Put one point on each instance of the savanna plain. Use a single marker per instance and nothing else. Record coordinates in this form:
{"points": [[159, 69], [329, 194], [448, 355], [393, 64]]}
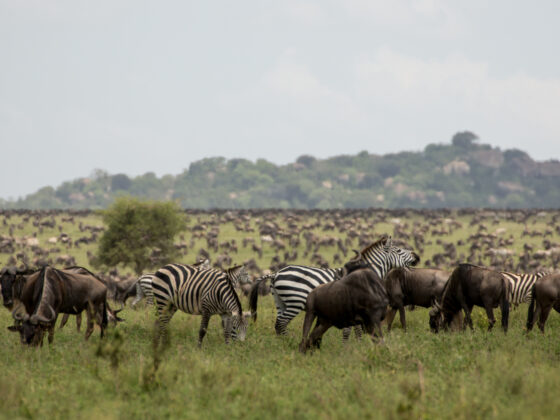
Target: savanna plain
{"points": [[413, 374]]}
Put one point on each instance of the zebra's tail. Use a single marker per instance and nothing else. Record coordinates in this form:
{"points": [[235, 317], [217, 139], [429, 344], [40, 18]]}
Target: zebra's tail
{"points": [[531, 310], [254, 296]]}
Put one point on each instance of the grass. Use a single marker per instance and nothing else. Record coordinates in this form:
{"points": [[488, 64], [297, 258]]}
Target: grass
{"points": [[412, 375]]}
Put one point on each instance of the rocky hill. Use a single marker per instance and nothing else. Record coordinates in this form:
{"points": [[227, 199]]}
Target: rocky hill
{"points": [[463, 173]]}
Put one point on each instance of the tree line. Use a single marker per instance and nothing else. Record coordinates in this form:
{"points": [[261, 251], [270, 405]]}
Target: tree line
{"points": [[462, 173]]}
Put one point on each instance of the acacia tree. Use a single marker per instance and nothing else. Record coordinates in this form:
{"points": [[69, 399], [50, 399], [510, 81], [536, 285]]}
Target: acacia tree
{"points": [[139, 234]]}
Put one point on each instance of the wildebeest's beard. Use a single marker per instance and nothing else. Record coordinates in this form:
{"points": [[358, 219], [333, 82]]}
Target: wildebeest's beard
{"points": [[435, 319]]}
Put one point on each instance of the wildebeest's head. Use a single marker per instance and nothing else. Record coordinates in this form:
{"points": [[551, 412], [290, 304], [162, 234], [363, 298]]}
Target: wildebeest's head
{"points": [[354, 264], [31, 328], [436, 318], [7, 278]]}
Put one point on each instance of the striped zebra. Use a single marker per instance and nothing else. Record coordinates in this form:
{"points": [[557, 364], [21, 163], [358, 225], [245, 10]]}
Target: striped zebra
{"points": [[144, 284], [521, 285], [291, 285], [199, 291]]}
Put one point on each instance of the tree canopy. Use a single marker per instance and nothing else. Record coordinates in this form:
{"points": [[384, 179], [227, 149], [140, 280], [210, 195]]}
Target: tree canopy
{"points": [[139, 234]]}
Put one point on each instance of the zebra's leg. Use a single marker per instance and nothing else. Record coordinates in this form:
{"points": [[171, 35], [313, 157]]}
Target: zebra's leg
{"points": [[227, 325], [203, 327], [346, 334], [139, 295], [164, 315], [358, 331], [282, 321]]}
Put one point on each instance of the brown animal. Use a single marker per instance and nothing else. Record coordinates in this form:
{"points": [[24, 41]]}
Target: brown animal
{"points": [[357, 299], [545, 295], [49, 292], [412, 286], [467, 286]]}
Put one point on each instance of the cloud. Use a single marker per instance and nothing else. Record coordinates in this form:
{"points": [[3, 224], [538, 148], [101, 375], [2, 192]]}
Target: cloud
{"points": [[456, 84]]}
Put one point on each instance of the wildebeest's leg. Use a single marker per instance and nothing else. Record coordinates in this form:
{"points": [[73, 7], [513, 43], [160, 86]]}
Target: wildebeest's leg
{"points": [[89, 316], [203, 327], [468, 319], [403, 317], [78, 321], [320, 328], [391, 312], [307, 323], [64, 320], [545, 311], [490, 315]]}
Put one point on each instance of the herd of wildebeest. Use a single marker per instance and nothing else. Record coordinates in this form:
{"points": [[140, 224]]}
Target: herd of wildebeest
{"points": [[489, 269]]}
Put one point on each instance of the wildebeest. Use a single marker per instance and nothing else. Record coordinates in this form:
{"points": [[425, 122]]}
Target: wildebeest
{"points": [[8, 276], [357, 299], [467, 286], [545, 295], [49, 292], [412, 286]]}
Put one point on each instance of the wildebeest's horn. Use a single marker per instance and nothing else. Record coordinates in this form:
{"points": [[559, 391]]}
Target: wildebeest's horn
{"points": [[41, 318], [357, 253]]}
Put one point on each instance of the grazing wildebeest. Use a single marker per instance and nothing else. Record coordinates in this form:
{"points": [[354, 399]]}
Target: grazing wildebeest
{"points": [[291, 285], [467, 286], [412, 286], [545, 295], [8, 277], [357, 299], [47, 293]]}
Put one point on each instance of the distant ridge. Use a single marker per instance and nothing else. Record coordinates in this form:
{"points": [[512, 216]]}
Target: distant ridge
{"points": [[463, 173]]}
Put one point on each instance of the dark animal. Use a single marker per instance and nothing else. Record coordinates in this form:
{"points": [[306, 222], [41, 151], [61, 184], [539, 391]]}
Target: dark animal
{"points": [[467, 286], [545, 295], [49, 292], [292, 284], [357, 299], [8, 277], [412, 286]]}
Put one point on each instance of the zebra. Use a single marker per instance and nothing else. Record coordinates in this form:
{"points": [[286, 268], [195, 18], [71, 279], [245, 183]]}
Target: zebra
{"points": [[521, 285], [144, 284], [199, 291], [291, 285]]}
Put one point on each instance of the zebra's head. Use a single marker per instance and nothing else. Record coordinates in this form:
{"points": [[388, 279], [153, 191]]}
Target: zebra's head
{"points": [[383, 255], [240, 325]]}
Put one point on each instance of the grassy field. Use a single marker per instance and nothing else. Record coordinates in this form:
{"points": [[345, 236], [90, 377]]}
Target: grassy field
{"points": [[412, 375]]}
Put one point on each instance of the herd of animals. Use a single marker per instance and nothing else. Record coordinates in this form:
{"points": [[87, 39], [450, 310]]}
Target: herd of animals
{"points": [[370, 287]]}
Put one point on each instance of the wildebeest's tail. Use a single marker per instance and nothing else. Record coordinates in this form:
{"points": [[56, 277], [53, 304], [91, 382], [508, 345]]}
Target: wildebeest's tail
{"points": [[505, 303], [105, 318], [531, 310], [254, 296]]}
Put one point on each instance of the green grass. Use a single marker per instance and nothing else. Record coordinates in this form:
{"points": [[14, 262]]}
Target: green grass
{"points": [[416, 374], [412, 375]]}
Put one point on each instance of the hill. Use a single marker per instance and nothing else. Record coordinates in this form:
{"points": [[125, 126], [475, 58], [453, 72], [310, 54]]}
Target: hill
{"points": [[464, 173]]}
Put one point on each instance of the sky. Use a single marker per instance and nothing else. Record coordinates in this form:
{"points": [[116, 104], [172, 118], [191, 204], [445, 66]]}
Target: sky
{"points": [[130, 86]]}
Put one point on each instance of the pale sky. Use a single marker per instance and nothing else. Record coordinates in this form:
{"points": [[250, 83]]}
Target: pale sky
{"points": [[134, 87]]}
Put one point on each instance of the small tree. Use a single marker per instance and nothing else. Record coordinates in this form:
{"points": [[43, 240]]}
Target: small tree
{"points": [[139, 234]]}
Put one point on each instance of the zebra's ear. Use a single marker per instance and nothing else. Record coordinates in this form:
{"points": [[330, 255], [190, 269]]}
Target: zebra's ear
{"points": [[389, 242]]}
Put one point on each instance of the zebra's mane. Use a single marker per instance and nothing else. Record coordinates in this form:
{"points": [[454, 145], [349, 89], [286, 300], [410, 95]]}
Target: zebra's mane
{"points": [[380, 242]]}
